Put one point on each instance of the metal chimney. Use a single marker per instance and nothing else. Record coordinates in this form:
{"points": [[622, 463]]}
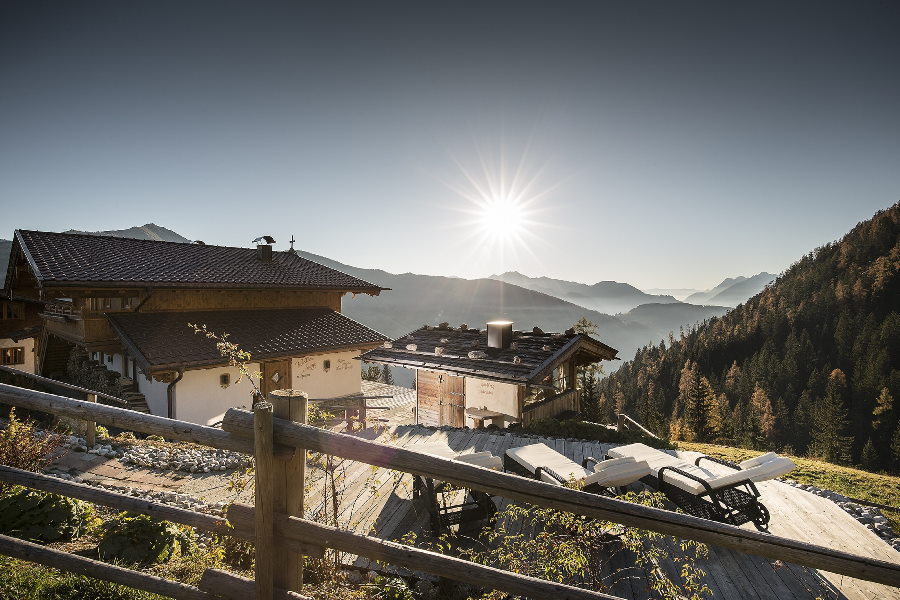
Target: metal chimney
{"points": [[499, 334]]}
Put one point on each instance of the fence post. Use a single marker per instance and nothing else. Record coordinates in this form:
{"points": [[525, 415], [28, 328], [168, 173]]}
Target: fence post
{"points": [[290, 484], [620, 424], [263, 453], [90, 427]]}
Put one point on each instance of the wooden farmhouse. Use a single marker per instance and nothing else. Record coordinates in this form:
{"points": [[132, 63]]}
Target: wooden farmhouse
{"points": [[470, 376], [116, 313]]}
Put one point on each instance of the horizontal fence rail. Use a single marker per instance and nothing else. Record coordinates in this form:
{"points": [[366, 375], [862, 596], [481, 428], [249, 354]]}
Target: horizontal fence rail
{"points": [[238, 435], [416, 558], [62, 384], [624, 422], [532, 491]]}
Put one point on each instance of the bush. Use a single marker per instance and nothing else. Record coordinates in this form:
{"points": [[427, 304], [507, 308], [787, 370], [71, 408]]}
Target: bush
{"points": [[20, 580], [573, 428], [24, 446], [42, 517], [138, 539]]}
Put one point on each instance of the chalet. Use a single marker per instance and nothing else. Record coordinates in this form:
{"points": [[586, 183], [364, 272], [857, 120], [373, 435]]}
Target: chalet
{"points": [[116, 313], [469, 376], [19, 325]]}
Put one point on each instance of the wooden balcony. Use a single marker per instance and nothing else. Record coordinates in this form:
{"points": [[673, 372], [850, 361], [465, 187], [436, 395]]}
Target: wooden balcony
{"points": [[569, 400]]}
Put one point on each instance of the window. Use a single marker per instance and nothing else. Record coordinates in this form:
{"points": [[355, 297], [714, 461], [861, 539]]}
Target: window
{"points": [[326, 365], [12, 310], [13, 356], [224, 380]]}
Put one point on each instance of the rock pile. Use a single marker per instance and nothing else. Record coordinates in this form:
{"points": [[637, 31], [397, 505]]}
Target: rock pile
{"points": [[189, 460]]}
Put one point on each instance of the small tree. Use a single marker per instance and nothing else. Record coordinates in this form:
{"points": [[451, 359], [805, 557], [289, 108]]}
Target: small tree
{"points": [[386, 376], [587, 376], [371, 373], [869, 458]]}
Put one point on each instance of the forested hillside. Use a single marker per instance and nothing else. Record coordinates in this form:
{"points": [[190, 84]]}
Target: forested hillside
{"points": [[810, 364]]}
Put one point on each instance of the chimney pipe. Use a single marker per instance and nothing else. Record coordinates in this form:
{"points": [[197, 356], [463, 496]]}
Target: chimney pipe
{"points": [[499, 334], [264, 252]]}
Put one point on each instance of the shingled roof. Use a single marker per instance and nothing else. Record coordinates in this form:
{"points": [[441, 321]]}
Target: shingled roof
{"points": [[162, 341], [530, 358], [79, 260]]}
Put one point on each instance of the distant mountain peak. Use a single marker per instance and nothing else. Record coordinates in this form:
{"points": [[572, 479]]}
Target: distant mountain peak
{"points": [[149, 231]]}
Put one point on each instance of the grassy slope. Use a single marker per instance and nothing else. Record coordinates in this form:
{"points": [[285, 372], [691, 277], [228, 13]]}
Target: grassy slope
{"points": [[853, 483]]}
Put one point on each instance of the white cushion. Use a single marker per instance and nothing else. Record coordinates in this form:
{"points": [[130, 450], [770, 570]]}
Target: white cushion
{"points": [[775, 468], [617, 472], [657, 459], [540, 455], [482, 459], [757, 460]]}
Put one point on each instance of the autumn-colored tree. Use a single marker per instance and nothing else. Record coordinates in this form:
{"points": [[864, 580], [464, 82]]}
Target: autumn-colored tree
{"points": [[763, 420]]}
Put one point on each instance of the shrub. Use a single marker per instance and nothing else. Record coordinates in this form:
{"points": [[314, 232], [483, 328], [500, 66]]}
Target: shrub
{"points": [[138, 539], [42, 517], [24, 446]]}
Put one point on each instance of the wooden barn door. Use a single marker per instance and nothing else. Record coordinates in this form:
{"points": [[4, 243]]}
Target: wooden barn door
{"points": [[453, 401], [276, 375]]}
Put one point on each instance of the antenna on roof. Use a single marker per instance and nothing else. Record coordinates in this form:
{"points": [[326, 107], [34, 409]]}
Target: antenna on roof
{"points": [[268, 239], [292, 242]]}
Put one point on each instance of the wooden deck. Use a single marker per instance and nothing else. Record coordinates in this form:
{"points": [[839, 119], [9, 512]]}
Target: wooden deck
{"points": [[379, 501]]}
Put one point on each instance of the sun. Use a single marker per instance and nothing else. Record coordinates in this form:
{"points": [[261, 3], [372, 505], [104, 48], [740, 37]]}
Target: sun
{"points": [[502, 217]]}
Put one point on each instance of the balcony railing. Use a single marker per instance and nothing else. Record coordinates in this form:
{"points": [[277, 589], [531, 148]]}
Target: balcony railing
{"points": [[569, 400]]}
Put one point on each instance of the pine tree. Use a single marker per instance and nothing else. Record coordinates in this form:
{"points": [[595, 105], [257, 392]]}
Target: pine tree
{"points": [[386, 376], [587, 376], [895, 448], [829, 439], [869, 458]]}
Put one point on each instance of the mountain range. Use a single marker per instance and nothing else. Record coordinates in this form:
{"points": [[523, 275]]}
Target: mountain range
{"points": [[733, 290], [609, 297], [416, 300]]}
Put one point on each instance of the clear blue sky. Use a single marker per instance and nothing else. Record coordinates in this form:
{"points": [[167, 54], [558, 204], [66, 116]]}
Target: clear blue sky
{"points": [[669, 144]]}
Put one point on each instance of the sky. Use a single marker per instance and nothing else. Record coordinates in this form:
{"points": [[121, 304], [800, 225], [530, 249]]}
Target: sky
{"points": [[663, 144]]}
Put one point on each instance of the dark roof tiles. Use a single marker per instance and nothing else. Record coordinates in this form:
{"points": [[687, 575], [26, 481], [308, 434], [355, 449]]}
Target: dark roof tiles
{"points": [[529, 356], [69, 259], [164, 340]]}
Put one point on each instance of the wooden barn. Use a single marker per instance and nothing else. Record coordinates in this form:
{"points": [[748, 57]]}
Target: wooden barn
{"points": [[496, 375]]}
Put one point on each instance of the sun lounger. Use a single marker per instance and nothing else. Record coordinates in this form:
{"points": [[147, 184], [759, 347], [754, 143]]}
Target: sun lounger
{"points": [[477, 506], [729, 498], [541, 462]]}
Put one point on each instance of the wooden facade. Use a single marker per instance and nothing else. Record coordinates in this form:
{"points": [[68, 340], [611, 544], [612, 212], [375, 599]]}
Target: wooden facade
{"points": [[441, 399]]}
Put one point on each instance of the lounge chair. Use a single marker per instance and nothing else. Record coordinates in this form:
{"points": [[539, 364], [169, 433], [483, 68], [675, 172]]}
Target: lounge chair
{"points": [[730, 498], [541, 462], [477, 506]]}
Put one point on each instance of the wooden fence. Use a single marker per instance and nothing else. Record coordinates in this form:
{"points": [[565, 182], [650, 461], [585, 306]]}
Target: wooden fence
{"points": [[89, 427], [624, 422], [279, 439], [550, 407]]}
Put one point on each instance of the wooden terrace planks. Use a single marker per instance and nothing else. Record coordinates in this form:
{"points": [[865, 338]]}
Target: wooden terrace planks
{"points": [[389, 512]]}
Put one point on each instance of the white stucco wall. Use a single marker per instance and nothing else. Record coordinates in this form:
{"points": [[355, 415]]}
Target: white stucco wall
{"points": [[342, 378], [198, 396], [200, 399], [500, 397], [28, 345]]}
